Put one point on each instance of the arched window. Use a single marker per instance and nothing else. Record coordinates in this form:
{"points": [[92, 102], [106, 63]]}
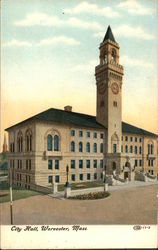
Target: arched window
{"points": [[95, 148], [20, 142], [80, 147], [88, 147], [113, 54], [56, 143], [126, 149], [49, 143], [29, 140], [151, 148], [148, 148], [101, 147], [72, 146], [131, 149], [135, 150]]}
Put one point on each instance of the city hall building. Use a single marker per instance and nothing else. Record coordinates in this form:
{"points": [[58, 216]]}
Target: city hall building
{"points": [[42, 146]]}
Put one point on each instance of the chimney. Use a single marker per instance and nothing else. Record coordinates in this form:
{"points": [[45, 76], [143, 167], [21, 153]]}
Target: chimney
{"points": [[68, 108]]}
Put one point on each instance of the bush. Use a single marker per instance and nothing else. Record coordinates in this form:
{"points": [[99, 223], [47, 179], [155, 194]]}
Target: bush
{"points": [[91, 196]]}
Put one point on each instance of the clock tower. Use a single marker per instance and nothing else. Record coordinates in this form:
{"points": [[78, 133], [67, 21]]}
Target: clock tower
{"points": [[109, 74]]}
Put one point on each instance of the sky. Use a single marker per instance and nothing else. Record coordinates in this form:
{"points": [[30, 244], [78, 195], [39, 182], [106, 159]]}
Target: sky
{"points": [[49, 50]]}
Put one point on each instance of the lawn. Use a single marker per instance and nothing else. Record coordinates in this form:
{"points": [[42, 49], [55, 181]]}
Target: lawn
{"points": [[82, 185], [18, 193]]}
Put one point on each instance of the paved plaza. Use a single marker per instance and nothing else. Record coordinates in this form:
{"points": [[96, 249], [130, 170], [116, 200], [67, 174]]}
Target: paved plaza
{"points": [[136, 203]]}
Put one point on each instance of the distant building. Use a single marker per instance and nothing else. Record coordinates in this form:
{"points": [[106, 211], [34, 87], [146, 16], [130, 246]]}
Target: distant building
{"points": [[42, 146], [5, 144]]}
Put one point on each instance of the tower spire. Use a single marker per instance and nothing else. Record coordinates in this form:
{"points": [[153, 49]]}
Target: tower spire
{"points": [[109, 35]]}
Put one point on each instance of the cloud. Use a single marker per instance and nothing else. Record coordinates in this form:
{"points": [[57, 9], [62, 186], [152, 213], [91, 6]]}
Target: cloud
{"points": [[134, 62], [128, 31], [47, 41], [42, 19], [135, 8], [57, 40], [87, 67], [17, 43], [85, 7]]}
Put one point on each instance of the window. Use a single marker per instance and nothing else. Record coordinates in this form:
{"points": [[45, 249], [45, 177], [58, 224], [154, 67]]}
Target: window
{"points": [[131, 149], [20, 164], [88, 134], [49, 164], [114, 148], [115, 104], [135, 139], [88, 147], [101, 135], [72, 132], [56, 143], [19, 142], [29, 164], [122, 148], [140, 163], [56, 164], [136, 163], [95, 163], [80, 163], [101, 147], [149, 163], [73, 177], [28, 140], [95, 148], [140, 150], [101, 163], [88, 163], [49, 143], [80, 147], [95, 176], [152, 161], [80, 133], [131, 139], [95, 135], [135, 149], [126, 149], [72, 163], [29, 178], [88, 177], [50, 178], [113, 55], [57, 178], [140, 139], [148, 148], [81, 177], [72, 146], [122, 137], [126, 138], [151, 149]]}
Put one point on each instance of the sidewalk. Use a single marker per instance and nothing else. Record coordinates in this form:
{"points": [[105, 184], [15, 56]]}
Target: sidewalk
{"points": [[129, 185]]}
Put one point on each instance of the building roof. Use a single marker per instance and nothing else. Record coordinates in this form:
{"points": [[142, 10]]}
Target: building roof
{"points": [[79, 119], [109, 35], [128, 128]]}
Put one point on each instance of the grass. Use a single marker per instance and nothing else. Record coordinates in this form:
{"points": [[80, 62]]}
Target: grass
{"points": [[82, 185], [18, 193]]}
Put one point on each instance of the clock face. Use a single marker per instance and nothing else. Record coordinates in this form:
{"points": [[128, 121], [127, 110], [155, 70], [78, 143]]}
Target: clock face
{"points": [[115, 88], [102, 88]]}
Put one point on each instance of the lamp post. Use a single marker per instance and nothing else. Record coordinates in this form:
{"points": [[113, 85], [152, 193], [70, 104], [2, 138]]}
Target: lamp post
{"points": [[67, 175], [11, 198]]}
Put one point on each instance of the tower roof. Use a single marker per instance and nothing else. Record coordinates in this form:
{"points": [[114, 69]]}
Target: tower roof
{"points": [[109, 35]]}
